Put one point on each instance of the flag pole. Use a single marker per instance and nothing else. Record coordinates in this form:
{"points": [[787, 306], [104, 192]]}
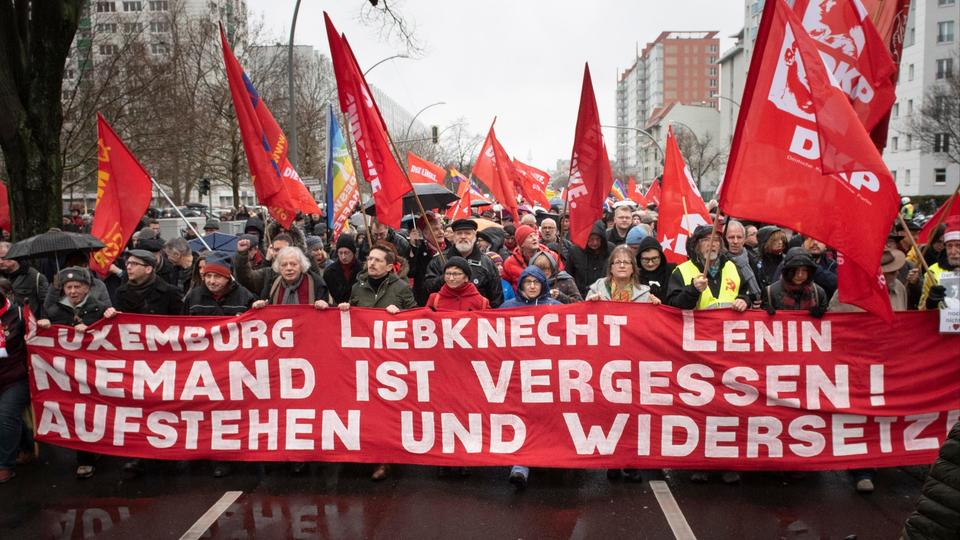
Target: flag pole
{"points": [[416, 197], [363, 212], [946, 211], [713, 231], [913, 242], [179, 213]]}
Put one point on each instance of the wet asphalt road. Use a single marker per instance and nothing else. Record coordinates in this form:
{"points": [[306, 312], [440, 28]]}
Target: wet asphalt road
{"points": [[339, 501]]}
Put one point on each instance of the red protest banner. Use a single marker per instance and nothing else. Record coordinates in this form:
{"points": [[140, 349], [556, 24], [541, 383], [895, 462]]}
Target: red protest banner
{"points": [[422, 171], [581, 385], [124, 191]]}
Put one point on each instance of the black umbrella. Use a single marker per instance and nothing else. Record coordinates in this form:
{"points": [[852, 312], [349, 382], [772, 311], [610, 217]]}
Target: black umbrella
{"points": [[431, 195], [53, 242], [478, 202]]}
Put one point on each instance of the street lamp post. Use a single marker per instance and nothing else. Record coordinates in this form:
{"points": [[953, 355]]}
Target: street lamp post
{"points": [[725, 98], [406, 133], [653, 139], [690, 129]]}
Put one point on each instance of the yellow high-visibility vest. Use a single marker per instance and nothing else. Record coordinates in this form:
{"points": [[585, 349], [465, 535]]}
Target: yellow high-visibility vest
{"points": [[729, 285]]}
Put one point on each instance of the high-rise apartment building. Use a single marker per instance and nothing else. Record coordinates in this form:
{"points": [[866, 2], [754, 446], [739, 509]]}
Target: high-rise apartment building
{"points": [[676, 67]]}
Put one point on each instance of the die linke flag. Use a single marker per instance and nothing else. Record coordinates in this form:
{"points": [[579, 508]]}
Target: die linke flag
{"points": [[635, 191], [801, 157], [421, 171], [343, 192], [124, 191], [277, 184], [682, 208], [533, 183], [495, 169], [590, 175], [386, 177], [854, 54]]}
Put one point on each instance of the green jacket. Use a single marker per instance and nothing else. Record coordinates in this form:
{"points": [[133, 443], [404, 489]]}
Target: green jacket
{"points": [[392, 290]]}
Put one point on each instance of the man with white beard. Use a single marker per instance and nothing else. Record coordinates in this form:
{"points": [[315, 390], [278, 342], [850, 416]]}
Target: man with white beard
{"points": [[483, 271]]}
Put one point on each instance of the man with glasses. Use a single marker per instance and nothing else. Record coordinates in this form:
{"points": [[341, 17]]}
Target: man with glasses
{"points": [[145, 293], [484, 273]]}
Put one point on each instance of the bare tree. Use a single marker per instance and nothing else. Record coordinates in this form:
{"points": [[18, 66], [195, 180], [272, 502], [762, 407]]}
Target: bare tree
{"points": [[459, 146], [387, 16], [937, 123], [702, 154]]}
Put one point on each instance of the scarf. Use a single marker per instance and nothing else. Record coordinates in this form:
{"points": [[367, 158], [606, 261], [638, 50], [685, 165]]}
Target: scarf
{"points": [[290, 295], [798, 297], [3, 329], [743, 265], [137, 292], [620, 294]]}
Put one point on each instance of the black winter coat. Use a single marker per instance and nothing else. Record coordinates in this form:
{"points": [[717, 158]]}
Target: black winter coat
{"points": [[199, 301], [938, 510], [337, 282], [159, 298], [587, 265], [29, 287], [87, 313], [13, 368], [485, 275]]}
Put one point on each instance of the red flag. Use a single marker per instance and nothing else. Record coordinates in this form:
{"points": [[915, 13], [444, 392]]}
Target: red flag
{"points": [[590, 175], [682, 208], [854, 53], [124, 191], [533, 183], [794, 130], [860, 288], [635, 191], [495, 169], [950, 209], [4, 208], [421, 171], [461, 209], [277, 184], [380, 168], [653, 193]]}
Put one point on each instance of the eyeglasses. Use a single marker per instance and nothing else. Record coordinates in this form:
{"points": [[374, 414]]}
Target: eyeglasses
{"points": [[650, 259], [453, 274], [135, 263], [621, 263]]}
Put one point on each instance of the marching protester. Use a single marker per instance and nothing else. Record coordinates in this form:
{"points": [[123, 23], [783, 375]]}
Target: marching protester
{"points": [[622, 223], [550, 235], [177, 251], [146, 293], [654, 269], [562, 285], [317, 252], [771, 245], [589, 264], [635, 237], [342, 274], [735, 237], [933, 291], [79, 307], [14, 386], [528, 244], [796, 290], [379, 286], [219, 294], [484, 272], [457, 293], [532, 290], [621, 284], [708, 280], [424, 246], [29, 286], [255, 279]]}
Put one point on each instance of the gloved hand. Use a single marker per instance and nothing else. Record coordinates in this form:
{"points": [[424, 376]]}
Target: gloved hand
{"points": [[771, 310], [817, 311], [937, 294]]}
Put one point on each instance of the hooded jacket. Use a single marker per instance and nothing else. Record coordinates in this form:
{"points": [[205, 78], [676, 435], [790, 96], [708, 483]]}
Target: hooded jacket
{"points": [[767, 263], [464, 298], [784, 295], [658, 278], [522, 301], [588, 265], [568, 293]]}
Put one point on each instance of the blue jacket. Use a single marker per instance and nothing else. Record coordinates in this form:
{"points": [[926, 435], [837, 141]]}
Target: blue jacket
{"points": [[522, 301]]}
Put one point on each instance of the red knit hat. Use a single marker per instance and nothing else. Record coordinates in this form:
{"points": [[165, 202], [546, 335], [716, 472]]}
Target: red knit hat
{"points": [[522, 233], [952, 231]]}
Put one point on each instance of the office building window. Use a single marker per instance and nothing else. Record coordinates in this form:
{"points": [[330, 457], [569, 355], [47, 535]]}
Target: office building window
{"points": [[939, 176], [941, 142], [945, 32]]}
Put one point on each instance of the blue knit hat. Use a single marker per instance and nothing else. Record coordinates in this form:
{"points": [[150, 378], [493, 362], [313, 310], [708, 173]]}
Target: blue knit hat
{"points": [[635, 235]]}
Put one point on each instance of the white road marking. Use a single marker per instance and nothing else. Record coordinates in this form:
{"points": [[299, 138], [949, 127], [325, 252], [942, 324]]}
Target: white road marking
{"points": [[211, 515], [671, 510]]}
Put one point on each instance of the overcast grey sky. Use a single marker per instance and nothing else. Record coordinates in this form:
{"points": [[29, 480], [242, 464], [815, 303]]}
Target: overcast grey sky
{"points": [[521, 61]]}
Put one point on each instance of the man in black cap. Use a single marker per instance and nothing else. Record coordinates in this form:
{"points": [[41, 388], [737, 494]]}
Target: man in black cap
{"points": [[211, 226], [145, 293], [342, 274], [484, 272]]}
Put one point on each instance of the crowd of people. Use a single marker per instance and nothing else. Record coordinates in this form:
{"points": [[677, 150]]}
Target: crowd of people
{"points": [[442, 266]]}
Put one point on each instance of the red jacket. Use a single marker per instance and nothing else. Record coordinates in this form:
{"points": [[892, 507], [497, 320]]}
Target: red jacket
{"points": [[515, 264], [465, 298]]}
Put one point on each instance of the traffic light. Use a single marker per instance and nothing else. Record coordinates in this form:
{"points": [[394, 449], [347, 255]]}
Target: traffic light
{"points": [[435, 134], [204, 186]]}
